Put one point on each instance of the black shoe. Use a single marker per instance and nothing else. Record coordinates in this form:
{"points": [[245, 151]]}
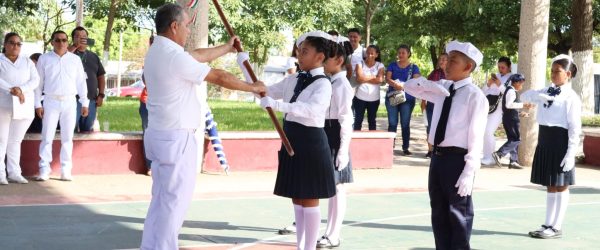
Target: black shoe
{"points": [[497, 158], [514, 165], [288, 230], [538, 231], [406, 152], [325, 242], [549, 233], [428, 155]]}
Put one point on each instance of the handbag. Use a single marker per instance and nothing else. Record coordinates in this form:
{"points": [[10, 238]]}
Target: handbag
{"points": [[398, 97], [494, 102]]}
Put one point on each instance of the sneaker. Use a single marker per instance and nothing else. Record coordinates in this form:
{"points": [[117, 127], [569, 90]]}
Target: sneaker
{"points": [[288, 230], [406, 152], [18, 179], [66, 177], [549, 233], [515, 165], [497, 158], [43, 176], [325, 242], [539, 230], [428, 155], [3, 181]]}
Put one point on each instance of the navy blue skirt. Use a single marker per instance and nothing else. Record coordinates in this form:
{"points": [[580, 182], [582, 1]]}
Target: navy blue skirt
{"points": [[552, 146], [309, 173], [332, 129]]}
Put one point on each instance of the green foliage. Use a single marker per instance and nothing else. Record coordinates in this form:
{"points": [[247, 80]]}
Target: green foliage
{"points": [[591, 121]]}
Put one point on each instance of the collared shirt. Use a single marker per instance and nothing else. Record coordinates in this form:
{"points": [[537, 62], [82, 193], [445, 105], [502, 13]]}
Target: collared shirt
{"points": [[367, 91], [61, 76], [357, 57], [565, 111], [22, 74], [510, 97], [467, 118], [495, 89], [93, 69], [172, 79], [312, 104], [341, 108]]}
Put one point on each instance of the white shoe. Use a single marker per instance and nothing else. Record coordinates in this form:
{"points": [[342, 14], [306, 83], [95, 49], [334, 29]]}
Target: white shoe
{"points": [[43, 176], [18, 179], [66, 177], [3, 181]]}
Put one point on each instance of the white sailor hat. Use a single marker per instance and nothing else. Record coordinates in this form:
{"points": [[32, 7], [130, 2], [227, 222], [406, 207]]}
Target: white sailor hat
{"points": [[562, 56], [466, 48], [317, 33]]}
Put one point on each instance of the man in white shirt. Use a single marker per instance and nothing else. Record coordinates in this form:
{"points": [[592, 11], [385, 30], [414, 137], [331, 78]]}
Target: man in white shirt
{"points": [[357, 56], [459, 119], [61, 78], [173, 77]]}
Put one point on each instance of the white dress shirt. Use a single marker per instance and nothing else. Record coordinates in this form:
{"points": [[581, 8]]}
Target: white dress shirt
{"points": [[565, 112], [312, 103], [510, 97], [341, 108], [367, 91], [467, 118], [495, 89], [357, 57], [61, 76], [173, 78], [23, 74]]}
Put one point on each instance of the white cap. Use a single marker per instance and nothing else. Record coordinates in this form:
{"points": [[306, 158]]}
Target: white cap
{"points": [[466, 48], [562, 56], [317, 33]]}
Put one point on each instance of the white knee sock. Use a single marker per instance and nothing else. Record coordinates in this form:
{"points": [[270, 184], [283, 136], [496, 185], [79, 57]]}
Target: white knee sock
{"points": [[312, 221], [550, 208], [299, 216], [340, 196], [331, 214], [562, 200]]}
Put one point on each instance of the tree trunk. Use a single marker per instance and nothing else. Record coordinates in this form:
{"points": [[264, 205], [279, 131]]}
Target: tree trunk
{"points": [[199, 29], [582, 23], [434, 55], [533, 42], [112, 11]]}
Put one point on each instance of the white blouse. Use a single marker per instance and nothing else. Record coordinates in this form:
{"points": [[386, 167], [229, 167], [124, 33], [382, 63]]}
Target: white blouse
{"points": [[341, 108], [367, 91], [23, 74], [312, 104]]}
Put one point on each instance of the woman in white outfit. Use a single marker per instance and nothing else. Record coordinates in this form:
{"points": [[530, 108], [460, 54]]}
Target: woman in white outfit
{"points": [[18, 79], [493, 90]]}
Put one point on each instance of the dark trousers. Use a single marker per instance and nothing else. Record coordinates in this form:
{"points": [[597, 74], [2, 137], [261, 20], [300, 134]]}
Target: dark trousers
{"points": [[144, 115], [451, 215], [86, 124], [511, 127], [360, 107]]}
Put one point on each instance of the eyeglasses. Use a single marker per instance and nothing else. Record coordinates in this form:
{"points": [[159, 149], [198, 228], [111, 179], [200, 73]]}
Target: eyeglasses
{"points": [[61, 40], [18, 44]]}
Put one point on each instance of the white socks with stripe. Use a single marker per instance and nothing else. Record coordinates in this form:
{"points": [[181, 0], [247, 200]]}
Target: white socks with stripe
{"points": [[299, 216], [312, 221], [562, 201]]}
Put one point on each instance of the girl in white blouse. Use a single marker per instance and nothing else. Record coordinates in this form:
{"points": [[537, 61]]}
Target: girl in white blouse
{"points": [[559, 117], [369, 74], [18, 79], [304, 97]]}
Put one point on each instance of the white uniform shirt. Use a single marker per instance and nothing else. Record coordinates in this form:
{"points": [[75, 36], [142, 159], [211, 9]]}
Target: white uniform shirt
{"points": [[312, 103], [61, 76], [23, 74], [565, 112], [341, 108], [467, 118], [495, 89], [291, 63], [367, 91], [356, 58], [172, 78], [510, 98]]}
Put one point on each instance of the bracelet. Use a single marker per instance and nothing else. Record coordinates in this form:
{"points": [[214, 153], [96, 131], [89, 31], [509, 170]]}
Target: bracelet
{"points": [[101, 95]]}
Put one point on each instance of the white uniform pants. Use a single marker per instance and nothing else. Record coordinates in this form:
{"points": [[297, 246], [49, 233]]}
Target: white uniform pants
{"points": [[55, 110], [11, 135], [174, 162], [489, 140]]}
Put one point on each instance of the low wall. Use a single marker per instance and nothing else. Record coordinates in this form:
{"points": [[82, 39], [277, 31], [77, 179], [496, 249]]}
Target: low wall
{"points": [[591, 147], [119, 153]]}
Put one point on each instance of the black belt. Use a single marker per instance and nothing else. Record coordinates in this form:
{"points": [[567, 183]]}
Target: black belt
{"points": [[440, 151]]}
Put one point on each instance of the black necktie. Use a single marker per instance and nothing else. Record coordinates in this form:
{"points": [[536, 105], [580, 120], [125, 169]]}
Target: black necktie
{"points": [[552, 91], [440, 132]]}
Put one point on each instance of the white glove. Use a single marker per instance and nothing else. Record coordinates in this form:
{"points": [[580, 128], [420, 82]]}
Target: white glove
{"points": [[431, 86], [342, 160], [268, 102], [241, 57], [465, 183], [567, 163]]}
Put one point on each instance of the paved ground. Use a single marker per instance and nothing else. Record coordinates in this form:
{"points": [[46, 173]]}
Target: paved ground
{"points": [[387, 209]]}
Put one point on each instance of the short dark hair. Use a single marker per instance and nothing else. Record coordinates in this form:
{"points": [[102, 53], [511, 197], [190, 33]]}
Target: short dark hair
{"points": [[78, 28], [354, 30], [406, 47], [35, 56], [567, 65], [7, 37], [56, 33], [333, 33], [166, 15], [505, 60]]}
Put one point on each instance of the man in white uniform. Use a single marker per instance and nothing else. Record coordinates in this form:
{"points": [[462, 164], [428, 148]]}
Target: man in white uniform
{"points": [[174, 113], [61, 78]]}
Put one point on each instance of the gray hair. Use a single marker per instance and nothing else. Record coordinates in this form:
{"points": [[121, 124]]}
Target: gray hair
{"points": [[166, 15]]}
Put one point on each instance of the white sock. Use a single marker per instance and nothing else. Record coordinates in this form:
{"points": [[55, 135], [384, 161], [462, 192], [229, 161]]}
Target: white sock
{"points": [[331, 214], [299, 216], [562, 200], [312, 221], [550, 208], [340, 196]]}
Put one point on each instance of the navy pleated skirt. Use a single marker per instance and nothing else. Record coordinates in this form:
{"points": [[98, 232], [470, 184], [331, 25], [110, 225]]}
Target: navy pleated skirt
{"points": [[549, 153], [309, 173], [332, 129]]}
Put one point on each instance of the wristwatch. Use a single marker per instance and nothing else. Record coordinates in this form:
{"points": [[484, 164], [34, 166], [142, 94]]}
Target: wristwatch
{"points": [[101, 95]]}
